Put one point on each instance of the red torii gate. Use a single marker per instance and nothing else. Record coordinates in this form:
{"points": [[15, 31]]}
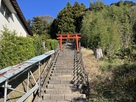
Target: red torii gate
{"points": [[61, 37]]}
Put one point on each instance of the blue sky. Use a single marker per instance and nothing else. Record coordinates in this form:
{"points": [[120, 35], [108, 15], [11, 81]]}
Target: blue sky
{"points": [[32, 8]]}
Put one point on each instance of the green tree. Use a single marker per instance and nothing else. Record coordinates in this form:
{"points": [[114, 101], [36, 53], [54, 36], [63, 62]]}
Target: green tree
{"points": [[65, 20], [69, 19], [125, 3], [132, 15], [37, 26], [97, 31], [54, 28], [85, 30], [97, 6], [29, 22], [41, 25], [78, 11], [121, 14]]}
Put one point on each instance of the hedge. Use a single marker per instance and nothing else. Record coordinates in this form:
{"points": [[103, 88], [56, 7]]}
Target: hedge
{"points": [[15, 49], [51, 44]]}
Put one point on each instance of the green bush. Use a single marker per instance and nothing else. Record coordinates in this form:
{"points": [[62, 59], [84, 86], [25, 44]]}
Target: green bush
{"points": [[128, 54], [15, 49], [51, 44], [119, 87], [38, 45]]}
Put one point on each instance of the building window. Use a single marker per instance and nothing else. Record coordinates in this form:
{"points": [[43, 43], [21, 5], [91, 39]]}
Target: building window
{"points": [[5, 11]]}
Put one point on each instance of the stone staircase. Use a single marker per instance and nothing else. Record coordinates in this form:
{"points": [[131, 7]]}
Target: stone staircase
{"points": [[59, 85]]}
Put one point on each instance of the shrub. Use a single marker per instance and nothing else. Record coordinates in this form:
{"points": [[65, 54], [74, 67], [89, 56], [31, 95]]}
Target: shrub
{"points": [[15, 49], [38, 45], [119, 87], [51, 44]]}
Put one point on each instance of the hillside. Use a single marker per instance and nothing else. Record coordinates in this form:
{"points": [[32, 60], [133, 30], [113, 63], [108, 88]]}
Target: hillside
{"points": [[114, 84]]}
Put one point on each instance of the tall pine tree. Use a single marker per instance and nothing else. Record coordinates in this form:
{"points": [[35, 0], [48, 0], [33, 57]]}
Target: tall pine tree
{"points": [[69, 19], [40, 24], [78, 11], [65, 20]]}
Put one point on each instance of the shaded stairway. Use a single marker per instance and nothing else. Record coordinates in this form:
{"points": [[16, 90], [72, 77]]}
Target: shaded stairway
{"points": [[66, 81]]}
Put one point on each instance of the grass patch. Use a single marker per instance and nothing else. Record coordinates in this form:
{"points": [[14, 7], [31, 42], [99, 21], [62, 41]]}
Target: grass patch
{"points": [[110, 81], [120, 87], [109, 65]]}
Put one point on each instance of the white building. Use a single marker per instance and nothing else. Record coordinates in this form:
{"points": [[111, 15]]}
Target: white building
{"points": [[12, 18]]}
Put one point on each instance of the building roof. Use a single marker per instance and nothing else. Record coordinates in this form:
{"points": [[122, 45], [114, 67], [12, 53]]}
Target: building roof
{"points": [[21, 16]]}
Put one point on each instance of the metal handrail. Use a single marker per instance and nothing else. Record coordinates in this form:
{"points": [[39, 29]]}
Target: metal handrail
{"points": [[84, 73], [85, 76], [50, 66], [7, 74]]}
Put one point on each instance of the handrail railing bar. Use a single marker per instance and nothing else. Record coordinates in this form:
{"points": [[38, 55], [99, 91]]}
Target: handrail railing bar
{"points": [[16, 90], [28, 68], [24, 97], [33, 77]]}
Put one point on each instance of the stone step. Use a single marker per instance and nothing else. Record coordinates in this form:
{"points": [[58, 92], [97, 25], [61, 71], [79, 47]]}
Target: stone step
{"points": [[60, 91], [59, 82], [50, 90], [64, 65], [65, 59], [79, 100], [61, 86], [63, 97], [63, 68], [59, 74], [62, 78], [64, 62], [61, 62], [63, 71]]}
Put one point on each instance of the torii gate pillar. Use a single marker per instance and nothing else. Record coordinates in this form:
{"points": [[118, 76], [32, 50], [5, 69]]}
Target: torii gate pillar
{"points": [[68, 36]]}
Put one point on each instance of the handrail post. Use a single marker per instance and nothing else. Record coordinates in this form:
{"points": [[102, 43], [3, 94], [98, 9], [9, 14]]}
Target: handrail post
{"points": [[39, 68], [5, 91], [28, 80]]}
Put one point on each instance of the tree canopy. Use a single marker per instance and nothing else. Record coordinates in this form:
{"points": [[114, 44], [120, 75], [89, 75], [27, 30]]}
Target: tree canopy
{"points": [[109, 27], [68, 20], [41, 25]]}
